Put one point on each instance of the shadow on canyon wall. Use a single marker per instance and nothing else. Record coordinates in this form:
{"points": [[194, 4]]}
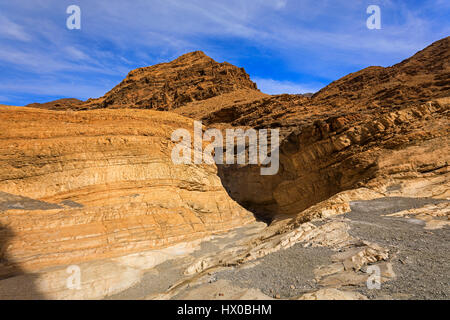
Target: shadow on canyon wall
{"points": [[254, 192], [309, 172], [15, 283]]}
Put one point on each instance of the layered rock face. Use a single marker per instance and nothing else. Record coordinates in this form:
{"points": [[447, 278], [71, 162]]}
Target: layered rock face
{"points": [[350, 134], [77, 186], [378, 150]]}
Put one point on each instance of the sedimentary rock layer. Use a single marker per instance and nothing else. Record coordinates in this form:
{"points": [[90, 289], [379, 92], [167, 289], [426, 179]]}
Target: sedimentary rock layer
{"points": [[382, 129], [82, 185], [379, 127], [376, 150]]}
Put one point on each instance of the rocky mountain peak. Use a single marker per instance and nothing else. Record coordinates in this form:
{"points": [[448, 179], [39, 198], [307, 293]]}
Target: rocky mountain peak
{"points": [[193, 56], [191, 77]]}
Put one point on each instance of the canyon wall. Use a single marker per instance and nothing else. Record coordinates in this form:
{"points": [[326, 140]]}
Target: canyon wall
{"points": [[379, 127], [379, 151], [80, 184], [77, 186]]}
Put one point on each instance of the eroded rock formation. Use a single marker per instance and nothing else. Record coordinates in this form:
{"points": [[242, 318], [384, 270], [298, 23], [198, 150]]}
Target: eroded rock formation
{"points": [[100, 184], [336, 141], [166, 86], [79, 185]]}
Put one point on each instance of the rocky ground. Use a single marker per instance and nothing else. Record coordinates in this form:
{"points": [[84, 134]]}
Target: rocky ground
{"points": [[421, 257], [165, 276], [419, 262]]}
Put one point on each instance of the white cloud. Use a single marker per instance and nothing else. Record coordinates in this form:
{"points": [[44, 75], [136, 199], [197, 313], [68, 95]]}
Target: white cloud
{"points": [[12, 30], [76, 53], [50, 63], [280, 4]]}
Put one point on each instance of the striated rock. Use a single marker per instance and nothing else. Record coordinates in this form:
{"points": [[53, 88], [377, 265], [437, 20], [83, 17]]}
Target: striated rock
{"points": [[98, 184], [418, 79], [381, 151], [435, 216], [374, 90], [332, 143], [82, 186], [98, 278]]}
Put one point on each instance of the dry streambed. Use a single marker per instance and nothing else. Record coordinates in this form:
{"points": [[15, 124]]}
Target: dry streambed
{"points": [[330, 257], [335, 258]]}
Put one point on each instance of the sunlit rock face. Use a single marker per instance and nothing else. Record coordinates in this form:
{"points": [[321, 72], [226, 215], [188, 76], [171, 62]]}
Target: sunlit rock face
{"points": [[77, 186], [98, 188], [379, 127]]}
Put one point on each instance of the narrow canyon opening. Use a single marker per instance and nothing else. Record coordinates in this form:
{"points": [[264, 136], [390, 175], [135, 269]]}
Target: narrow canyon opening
{"points": [[310, 170]]}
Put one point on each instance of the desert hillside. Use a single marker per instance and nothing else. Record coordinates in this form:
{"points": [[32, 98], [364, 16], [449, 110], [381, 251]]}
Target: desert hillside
{"points": [[92, 183], [166, 86]]}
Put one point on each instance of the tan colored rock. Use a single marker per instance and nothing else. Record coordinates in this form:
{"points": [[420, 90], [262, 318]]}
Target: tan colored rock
{"points": [[89, 186], [332, 294], [98, 278], [223, 290], [436, 216], [379, 128], [113, 170]]}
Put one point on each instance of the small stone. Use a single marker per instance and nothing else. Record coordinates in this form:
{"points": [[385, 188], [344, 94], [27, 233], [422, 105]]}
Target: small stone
{"points": [[277, 296], [292, 287]]}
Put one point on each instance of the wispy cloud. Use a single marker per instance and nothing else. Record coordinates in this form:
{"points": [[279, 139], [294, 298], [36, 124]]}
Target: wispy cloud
{"points": [[12, 30]]}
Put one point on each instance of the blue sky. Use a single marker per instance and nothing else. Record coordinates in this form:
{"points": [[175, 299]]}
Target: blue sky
{"points": [[287, 46]]}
